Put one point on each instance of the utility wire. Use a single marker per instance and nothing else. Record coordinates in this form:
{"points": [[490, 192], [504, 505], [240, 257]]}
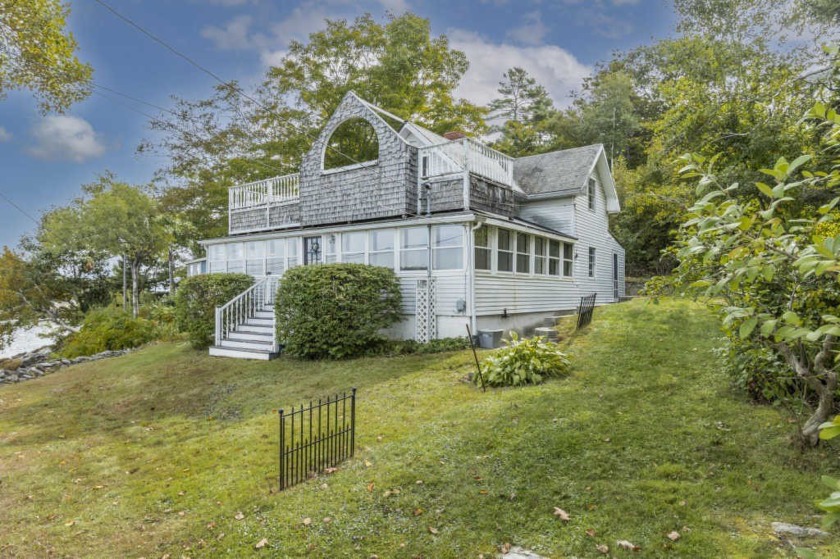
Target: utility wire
{"points": [[207, 71], [18, 208]]}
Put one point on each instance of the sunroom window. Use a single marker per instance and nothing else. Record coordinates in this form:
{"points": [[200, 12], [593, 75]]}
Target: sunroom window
{"points": [[504, 251], [414, 248], [353, 247], [275, 256], [482, 249], [554, 258], [448, 248], [568, 259], [523, 253], [539, 255], [382, 248]]}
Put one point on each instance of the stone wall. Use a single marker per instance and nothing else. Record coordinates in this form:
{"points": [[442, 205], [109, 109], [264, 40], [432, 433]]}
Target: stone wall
{"points": [[34, 364]]}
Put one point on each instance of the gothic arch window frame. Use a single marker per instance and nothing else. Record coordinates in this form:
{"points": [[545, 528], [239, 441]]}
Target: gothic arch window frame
{"points": [[349, 167]]}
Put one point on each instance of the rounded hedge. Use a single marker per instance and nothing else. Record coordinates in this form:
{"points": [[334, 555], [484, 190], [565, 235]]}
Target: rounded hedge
{"points": [[196, 301], [107, 328], [335, 310]]}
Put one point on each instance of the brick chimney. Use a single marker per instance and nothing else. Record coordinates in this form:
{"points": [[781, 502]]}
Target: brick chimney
{"points": [[454, 135]]}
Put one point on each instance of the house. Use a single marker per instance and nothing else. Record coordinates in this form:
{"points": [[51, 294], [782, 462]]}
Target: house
{"points": [[476, 237]]}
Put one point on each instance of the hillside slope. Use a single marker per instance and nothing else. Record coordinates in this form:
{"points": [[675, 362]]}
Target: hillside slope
{"points": [[158, 452]]}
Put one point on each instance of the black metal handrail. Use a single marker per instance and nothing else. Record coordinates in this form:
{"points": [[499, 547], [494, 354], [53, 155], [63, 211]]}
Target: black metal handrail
{"points": [[587, 306]]}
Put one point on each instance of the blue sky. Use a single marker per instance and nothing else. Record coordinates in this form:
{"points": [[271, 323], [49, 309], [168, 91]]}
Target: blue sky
{"points": [[45, 159]]}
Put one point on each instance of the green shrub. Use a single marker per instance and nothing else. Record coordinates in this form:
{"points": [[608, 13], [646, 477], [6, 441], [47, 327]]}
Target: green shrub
{"points": [[196, 301], [757, 370], [392, 348], [105, 329], [335, 310], [523, 361]]}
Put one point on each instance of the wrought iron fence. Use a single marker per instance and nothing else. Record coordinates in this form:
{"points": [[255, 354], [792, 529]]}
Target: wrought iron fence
{"points": [[587, 306], [316, 437]]}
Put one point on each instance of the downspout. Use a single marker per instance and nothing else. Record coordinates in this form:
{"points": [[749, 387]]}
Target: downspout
{"points": [[471, 277]]}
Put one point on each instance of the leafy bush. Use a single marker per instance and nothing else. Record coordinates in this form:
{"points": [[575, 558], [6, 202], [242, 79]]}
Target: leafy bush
{"points": [[105, 329], [335, 310], [196, 301], [756, 370], [391, 348], [523, 361]]}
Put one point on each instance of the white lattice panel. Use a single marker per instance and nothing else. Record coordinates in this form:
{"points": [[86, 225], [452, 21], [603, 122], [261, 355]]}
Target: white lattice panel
{"points": [[426, 311]]}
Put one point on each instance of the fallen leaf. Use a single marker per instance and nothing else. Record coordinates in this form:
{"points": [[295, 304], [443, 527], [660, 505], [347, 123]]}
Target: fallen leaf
{"points": [[418, 511], [483, 492], [211, 525], [419, 482], [674, 536], [261, 544], [387, 493], [624, 544], [561, 514], [379, 438], [603, 548], [433, 530], [324, 486], [239, 516], [370, 487], [330, 470], [590, 532], [220, 536], [181, 513], [307, 521], [181, 493], [506, 548], [327, 520], [70, 523], [368, 463]]}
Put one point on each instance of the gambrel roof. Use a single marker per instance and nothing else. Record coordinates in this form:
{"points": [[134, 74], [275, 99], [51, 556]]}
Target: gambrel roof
{"points": [[564, 173]]}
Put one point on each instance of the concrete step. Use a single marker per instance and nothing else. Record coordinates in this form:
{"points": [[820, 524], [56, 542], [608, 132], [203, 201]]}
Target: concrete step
{"points": [[264, 314], [251, 336], [247, 328], [260, 322], [552, 321], [217, 351], [254, 345], [549, 333]]}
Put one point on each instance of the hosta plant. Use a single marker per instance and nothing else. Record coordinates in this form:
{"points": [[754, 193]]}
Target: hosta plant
{"points": [[524, 361]]}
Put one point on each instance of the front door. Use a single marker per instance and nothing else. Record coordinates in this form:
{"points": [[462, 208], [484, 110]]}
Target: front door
{"points": [[312, 250]]}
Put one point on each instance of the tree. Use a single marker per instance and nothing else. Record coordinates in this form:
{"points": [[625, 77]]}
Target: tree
{"points": [[775, 266], [38, 54], [523, 106], [116, 221]]}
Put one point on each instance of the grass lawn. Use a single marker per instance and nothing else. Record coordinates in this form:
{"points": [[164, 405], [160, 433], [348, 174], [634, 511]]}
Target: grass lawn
{"points": [[157, 453]]}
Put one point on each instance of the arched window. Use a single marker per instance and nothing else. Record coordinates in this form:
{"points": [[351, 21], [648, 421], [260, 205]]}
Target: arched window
{"points": [[353, 142]]}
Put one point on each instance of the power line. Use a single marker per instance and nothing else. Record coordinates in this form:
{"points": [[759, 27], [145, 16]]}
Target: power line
{"points": [[18, 208], [207, 71]]}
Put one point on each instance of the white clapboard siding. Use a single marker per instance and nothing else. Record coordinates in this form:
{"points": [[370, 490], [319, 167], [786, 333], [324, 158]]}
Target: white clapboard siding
{"points": [[557, 214], [495, 293], [593, 231]]}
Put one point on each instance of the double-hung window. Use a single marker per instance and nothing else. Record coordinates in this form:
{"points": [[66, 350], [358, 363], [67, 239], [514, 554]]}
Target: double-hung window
{"points": [[554, 258], [275, 256], [448, 247], [591, 262], [255, 252], [236, 258], [504, 250], [482, 249], [381, 244], [217, 259], [568, 259], [523, 253], [292, 251], [590, 193], [539, 256], [353, 247], [414, 248]]}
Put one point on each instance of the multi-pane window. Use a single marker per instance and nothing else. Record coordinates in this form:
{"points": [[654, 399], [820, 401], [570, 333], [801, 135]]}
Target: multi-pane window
{"points": [[539, 255], [217, 259], [236, 258], [568, 259], [504, 250], [523, 253], [382, 248], [414, 248], [448, 247], [482, 249], [590, 193], [255, 252], [353, 247], [292, 252], [591, 262], [554, 258], [275, 256]]}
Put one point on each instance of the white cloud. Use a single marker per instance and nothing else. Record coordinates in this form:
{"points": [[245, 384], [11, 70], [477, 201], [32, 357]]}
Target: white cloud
{"points": [[531, 32], [557, 69], [60, 137], [5, 135], [234, 35]]}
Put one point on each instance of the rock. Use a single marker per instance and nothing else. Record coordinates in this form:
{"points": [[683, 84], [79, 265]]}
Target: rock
{"points": [[784, 529], [66, 362], [517, 552], [36, 371], [2, 373], [12, 378]]}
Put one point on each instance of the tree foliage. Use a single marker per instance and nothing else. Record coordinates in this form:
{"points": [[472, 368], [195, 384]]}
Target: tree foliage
{"points": [[38, 54], [524, 106]]}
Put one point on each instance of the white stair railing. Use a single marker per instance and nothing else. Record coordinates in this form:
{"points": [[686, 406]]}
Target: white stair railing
{"points": [[244, 306]]}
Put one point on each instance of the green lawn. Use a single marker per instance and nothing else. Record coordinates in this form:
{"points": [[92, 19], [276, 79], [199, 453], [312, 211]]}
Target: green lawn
{"points": [[157, 452]]}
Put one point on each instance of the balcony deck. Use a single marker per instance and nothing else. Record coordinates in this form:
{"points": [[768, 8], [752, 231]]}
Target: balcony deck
{"points": [[262, 205]]}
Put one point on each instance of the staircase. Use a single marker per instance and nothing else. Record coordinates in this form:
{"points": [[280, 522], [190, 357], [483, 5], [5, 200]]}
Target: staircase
{"points": [[245, 324]]}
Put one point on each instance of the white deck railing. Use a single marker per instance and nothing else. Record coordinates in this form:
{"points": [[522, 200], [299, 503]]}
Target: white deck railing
{"points": [[260, 193], [238, 310], [466, 155]]}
